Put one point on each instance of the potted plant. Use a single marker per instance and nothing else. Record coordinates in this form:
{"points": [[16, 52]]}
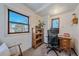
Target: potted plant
{"points": [[41, 24]]}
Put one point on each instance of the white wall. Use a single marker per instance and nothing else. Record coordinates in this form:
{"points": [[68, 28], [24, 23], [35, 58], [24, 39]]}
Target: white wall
{"points": [[45, 28], [24, 38], [75, 31]]}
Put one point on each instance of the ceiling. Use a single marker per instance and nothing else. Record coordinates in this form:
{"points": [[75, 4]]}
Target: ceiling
{"points": [[44, 9]]}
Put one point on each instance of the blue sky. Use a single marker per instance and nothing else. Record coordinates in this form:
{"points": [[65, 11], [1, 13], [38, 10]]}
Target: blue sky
{"points": [[17, 17]]}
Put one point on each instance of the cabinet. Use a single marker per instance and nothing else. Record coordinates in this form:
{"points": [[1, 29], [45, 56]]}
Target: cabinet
{"points": [[65, 44]]}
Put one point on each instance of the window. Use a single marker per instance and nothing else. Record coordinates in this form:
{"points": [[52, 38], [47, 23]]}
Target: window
{"points": [[17, 23], [55, 25]]}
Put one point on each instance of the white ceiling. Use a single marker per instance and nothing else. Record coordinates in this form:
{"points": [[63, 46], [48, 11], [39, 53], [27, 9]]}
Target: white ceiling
{"points": [[44, 9]]}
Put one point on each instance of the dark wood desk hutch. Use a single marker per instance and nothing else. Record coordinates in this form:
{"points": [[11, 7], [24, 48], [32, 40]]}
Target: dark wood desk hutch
{"points": [[37, 37]]}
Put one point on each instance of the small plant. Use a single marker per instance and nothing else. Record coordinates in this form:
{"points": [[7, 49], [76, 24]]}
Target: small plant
{"points": [[41, 24]]}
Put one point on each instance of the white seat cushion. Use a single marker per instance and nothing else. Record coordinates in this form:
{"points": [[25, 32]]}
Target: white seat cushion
{"points": [[4, 51]]}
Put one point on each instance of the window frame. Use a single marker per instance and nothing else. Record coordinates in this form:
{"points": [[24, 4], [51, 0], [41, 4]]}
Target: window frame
{"points": [[16, 23]]}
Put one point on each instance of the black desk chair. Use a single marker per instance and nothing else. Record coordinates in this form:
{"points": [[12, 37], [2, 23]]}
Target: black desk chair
{"points": [[53, 42]]}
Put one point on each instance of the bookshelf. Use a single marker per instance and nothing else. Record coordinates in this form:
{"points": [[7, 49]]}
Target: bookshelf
{"points": [[37, 37]]}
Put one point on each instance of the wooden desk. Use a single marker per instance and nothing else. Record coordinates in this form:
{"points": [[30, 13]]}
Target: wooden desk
{"points": [[65, 44]]}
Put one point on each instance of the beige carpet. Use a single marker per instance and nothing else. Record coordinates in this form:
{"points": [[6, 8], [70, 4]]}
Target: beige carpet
{"points": [[42, 51]]}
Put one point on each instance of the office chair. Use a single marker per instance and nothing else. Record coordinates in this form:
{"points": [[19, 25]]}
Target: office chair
{"points": [[53, 42]]}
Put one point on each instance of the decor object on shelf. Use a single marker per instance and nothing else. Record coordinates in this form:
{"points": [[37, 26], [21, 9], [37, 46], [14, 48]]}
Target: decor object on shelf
{"points": [[41, 24], [66, 34], [74, 19]]}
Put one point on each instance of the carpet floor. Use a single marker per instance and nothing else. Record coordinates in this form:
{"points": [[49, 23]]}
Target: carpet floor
{"points": [[42, 51]]}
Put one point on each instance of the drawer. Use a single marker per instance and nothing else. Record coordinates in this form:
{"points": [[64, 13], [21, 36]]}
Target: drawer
{"points": [[65, 40], [65, 43]]}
